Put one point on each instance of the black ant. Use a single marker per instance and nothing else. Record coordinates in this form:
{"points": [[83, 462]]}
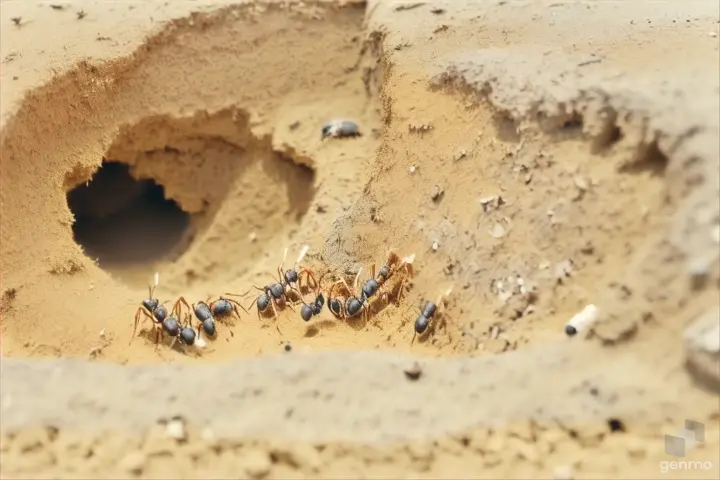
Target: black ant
{"points": [[307, 311], [354, 304], [393, 265], [186, 334], [429, 312], [152, 309], [225, 307], [273, 295], [292, 279], [207, 313]]}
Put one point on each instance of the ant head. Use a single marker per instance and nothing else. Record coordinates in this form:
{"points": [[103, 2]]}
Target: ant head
{"points": [[326, 131], [291, 276], [151, 304]]}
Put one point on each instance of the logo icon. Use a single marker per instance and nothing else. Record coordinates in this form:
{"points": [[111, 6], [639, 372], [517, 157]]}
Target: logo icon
{"points": [[685, 439]]}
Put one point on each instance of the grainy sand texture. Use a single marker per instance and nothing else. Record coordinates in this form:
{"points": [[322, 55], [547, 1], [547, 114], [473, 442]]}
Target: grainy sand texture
{"points": [[530, 157]]}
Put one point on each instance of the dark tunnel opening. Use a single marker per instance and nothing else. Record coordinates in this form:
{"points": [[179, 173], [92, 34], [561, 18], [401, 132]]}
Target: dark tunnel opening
{"points": [[125, 223]]}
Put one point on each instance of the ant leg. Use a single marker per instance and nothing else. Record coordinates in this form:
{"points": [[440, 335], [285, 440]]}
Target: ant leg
{"points": [[347, 287], [272, 304], [309, 275], [357, 278], [372, 270], [235, 303], [401, 290], [242, 294], [280, 267], [288, 304], [176, 307], [137, 319]]}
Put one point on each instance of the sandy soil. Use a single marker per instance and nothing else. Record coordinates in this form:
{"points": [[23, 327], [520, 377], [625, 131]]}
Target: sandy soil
{"points": [[534, 156]]}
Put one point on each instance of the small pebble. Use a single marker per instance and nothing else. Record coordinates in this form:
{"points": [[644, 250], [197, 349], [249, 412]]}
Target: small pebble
{"points": [[498, 231], [175, 429], [435, 245], [287, 347], [414, 372]]}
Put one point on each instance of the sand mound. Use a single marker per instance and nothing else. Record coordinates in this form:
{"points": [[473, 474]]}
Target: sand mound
{"points": [[533, 166]]}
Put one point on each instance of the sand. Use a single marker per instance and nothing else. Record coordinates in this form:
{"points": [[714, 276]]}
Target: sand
{"points": [[535, 157]]}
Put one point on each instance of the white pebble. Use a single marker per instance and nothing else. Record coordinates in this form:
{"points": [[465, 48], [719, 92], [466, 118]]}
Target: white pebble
{"points": [[435, 245], [175, 429], [582, 320], [716, 234], [712, 34], [413, 168], [252, 237]]}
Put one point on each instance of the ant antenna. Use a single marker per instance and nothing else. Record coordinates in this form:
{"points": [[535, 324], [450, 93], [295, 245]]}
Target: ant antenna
{"points": [[284, 258], [303, 252], [357, 277], [151, 290]]}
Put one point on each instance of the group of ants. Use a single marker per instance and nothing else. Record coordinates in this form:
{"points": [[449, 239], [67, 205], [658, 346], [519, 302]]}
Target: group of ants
{"points": [[343, 300]]}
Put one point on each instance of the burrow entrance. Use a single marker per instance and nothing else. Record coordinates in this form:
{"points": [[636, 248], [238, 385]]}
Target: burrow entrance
{"points": [[124, 222], [188, 193]]}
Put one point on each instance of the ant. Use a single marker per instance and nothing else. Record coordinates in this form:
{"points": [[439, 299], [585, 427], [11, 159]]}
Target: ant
{"points": [[206, 312], [354, 303], [429, 312], [307, 311], [152, 309], [186, 334], [294, 276], [393, 265], [272, 295]]}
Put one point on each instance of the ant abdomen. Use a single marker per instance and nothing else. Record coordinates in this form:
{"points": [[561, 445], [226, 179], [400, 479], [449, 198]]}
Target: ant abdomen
{"points": [[421, 324], [171, 326], [334, 306], [209, 326], [306, 312], [187, 336]]}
